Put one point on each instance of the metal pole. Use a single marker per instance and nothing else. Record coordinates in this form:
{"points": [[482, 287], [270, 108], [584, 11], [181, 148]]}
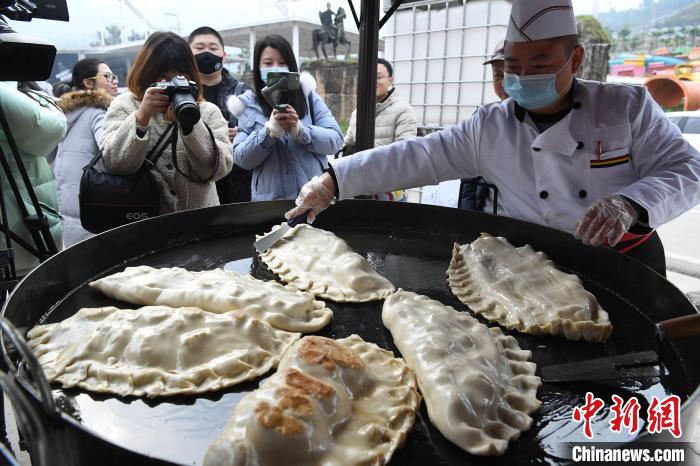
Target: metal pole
{"points": [[251, 48], [367, 74], [295, 41]]}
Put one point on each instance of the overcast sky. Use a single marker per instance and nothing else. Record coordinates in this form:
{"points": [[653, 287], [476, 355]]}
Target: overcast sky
{"points": [[89, 16]]}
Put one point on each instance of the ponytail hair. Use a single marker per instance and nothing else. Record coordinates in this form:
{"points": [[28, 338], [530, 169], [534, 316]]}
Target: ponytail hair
{"points": [[84, 69]]}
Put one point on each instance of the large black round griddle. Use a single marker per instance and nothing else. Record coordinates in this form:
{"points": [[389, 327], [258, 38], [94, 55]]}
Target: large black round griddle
{"points": [[409, 244]]}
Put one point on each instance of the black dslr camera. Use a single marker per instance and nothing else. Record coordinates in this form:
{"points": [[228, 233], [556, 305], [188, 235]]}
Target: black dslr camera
{"points": [[183, 97]]}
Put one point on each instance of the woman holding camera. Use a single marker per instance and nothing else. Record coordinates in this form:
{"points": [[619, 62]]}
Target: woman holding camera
{"points": [[285, 147], [159, 109], [94, 87]]}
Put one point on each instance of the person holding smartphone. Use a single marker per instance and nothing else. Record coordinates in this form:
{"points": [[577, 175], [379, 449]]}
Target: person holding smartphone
{"points": [[288, 145]]}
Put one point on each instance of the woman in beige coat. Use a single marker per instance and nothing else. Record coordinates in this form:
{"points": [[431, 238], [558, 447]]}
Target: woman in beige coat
{"points": [[137, 119]]}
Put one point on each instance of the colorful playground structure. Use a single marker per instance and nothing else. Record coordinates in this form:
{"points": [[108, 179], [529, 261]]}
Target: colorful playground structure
{"points": [[673, 79]]}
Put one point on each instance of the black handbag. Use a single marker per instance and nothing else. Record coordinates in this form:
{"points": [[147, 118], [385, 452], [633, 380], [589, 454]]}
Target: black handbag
{"points": [[108, 201]]}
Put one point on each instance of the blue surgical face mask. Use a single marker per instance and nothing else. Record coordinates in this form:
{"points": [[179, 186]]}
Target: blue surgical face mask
{"points": [[264, 70], [534, 91]]}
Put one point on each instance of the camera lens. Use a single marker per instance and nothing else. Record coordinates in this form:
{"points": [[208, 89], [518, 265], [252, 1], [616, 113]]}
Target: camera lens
{"points": [[186, 110]]}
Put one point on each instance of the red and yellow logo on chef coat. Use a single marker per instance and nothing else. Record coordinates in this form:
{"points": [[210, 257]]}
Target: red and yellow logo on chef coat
{"points": [[610, 162], [610, 158]]}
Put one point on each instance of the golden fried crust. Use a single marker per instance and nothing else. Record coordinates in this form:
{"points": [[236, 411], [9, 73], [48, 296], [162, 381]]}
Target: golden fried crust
{"points": [[327, 353], [307, 384], [273, 418], [295, 401]]}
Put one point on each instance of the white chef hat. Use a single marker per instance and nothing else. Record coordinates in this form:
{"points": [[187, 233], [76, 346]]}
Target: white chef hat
{"points": [[540, 19]]}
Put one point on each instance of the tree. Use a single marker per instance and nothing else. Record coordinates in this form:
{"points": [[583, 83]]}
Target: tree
{"points": [[635, 42], [114, 35], [693, 32], [591, 28], [624, 34], [134, 36], [655, 35]]}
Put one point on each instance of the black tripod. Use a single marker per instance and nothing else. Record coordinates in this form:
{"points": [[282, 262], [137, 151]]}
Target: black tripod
{"points": [[37, 224]]}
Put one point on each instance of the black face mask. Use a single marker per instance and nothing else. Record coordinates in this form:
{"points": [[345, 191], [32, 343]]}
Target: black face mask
{"points": [[208, 63]]}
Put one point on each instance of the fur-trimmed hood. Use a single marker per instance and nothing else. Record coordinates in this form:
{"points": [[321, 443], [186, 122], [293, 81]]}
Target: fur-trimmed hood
{"points": [[85, 98]]}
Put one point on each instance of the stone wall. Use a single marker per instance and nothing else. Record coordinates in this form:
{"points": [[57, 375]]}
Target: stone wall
{"points": [[595, 62], [336, 82]]}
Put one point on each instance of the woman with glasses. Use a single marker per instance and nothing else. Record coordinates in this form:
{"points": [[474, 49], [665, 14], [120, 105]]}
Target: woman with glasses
{"points": [[94, 86]]}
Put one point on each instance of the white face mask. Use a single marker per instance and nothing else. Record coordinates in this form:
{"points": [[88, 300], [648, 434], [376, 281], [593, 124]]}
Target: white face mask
{"points": [[533, 91], [264, 70]]}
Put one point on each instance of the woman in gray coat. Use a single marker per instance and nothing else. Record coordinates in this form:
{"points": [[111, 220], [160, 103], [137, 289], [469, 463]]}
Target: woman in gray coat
{"points": [[95, 86]]}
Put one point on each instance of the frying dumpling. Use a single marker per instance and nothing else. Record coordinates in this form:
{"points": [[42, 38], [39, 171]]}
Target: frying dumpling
{"points": [[319, 262], [478, 385], [156, 350], [331, 403], [522, 290], [218, 290]]}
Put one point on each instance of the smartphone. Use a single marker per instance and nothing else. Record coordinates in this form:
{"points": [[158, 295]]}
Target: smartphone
{"points": [[292, 78], [281, 107]]}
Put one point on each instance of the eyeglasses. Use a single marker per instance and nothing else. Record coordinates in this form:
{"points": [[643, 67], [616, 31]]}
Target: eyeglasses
{"points": [[108, 77]]}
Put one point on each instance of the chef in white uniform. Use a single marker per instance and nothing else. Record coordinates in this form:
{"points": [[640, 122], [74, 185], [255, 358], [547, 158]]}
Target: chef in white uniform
{"points": [[598, 160]]}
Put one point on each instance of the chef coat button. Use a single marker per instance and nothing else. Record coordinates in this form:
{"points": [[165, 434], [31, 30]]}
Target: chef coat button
{"points": [[577, 105], [544, 194], [579, 146], [582, 193], [536, 149]]}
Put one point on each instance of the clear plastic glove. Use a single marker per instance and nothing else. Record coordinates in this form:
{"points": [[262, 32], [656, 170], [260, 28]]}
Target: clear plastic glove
{"points": [[314, 196], [606, 221]]}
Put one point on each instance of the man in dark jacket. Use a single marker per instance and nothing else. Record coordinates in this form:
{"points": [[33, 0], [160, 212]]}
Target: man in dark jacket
{"points": [[208, 49], [326, 18]]}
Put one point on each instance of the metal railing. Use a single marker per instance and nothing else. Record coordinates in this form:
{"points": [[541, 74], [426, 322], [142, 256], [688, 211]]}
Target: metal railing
{"points": [[430, 30]]}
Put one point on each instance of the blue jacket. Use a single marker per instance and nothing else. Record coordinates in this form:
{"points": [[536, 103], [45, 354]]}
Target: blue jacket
{"points": [[282, 166]]}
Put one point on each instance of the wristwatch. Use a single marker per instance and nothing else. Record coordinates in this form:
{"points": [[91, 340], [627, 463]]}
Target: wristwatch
{"points": [[141, 130]]}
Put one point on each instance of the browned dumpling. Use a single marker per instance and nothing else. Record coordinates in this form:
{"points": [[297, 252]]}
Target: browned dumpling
{"points": [[331, 402]]}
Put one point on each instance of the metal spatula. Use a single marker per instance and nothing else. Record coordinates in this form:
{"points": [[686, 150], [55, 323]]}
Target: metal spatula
{"points": [[267, 241], [632, 365]]}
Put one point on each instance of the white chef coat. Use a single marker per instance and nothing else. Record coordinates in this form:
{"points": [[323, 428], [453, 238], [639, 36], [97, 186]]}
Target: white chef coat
{"points": [[548, 178]]}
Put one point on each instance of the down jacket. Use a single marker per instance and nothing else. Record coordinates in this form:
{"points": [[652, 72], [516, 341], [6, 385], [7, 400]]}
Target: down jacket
{"points": [[187, 178], [395, 121], [84, 111], [37, 127], [282, 166]]}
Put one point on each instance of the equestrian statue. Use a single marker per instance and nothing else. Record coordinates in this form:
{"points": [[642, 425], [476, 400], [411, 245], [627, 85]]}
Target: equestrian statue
{"points": [[332, 31]]}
